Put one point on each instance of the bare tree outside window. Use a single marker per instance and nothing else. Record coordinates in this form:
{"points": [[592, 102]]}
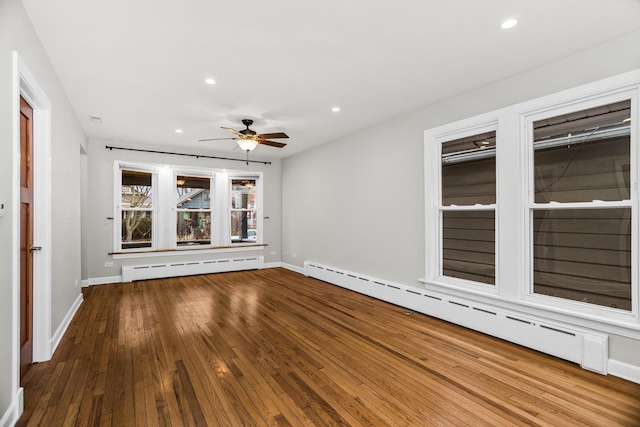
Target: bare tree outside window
{"points": [[137, 209]]}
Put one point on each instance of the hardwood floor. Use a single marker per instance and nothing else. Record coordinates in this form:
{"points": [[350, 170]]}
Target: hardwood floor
{"points": [[274, 348]]}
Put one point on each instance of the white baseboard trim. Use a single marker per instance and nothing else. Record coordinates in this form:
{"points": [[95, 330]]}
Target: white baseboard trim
{"points": [[101, 281], [587, 348], [57, 336], [14, 411], [270, 265], [624, 370], [293, 268]]}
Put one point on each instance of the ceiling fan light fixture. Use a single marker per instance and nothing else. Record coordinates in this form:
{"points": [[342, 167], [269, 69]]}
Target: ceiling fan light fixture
{"points": [[509, 23], [247, 144]]}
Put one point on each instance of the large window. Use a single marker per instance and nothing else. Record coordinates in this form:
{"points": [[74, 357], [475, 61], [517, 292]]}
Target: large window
{"points": [[467, 211], [243, 210], [160, 208], [193, 210], [534, 207], [581, 212], [136, 209]]}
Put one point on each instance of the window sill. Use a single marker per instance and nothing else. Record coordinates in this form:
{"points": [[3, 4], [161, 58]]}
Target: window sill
{"points": [[188, 251]]}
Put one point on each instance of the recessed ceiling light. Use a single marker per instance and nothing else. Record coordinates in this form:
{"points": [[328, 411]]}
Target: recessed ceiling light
{"points": [[485, 143], [509, 23], [628, 119], [210, 81], [335, 109], [179, 131]]}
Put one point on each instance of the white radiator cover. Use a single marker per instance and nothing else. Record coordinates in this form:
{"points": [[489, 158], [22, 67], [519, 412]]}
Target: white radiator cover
{"points": [[188, 268], [586, 348]]}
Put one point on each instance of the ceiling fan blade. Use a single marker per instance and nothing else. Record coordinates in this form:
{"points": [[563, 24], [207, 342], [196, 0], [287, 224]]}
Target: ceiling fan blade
{"points": [[214, 139], [272, 143], [273, 135], [233, 131]]}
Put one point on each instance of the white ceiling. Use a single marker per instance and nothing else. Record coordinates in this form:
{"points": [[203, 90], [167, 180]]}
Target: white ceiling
{"points": [[141, 65]]}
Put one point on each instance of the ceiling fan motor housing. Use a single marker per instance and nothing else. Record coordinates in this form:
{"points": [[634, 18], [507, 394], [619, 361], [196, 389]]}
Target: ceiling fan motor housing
{"points": [[247, 131]]}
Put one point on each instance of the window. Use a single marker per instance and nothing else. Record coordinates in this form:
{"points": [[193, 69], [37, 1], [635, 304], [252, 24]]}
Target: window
{"points": [[164, 208], [581, 212], [193, 210], [243, 210], [546, 225], [467, 209], [136, 209]]}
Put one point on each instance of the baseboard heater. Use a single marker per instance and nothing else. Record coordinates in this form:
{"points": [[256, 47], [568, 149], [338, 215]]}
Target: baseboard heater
{"points": [[188, 268], [586, 348]]}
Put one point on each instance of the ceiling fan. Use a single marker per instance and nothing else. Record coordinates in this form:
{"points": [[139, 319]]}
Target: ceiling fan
{"points": [[248, 139]]}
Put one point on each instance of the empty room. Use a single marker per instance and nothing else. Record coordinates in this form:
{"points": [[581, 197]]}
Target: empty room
{"points": [[320, 213]]}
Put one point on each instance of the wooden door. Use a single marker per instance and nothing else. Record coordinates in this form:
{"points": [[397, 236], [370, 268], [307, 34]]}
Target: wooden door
{"points": [[26, 236]]}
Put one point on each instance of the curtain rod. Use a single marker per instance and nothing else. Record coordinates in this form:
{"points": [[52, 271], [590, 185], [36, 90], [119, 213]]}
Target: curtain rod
{"points": [[197, 156]]}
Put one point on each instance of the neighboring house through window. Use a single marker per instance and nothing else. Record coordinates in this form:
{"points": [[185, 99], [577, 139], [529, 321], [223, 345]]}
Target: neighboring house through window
{"points": [[161, 207]]}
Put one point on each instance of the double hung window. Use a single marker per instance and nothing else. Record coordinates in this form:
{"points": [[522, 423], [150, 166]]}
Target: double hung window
{"points": [[162, 208], [243, 210], [467, 209], [535, 206], [136, 209], [193, 210], [581, 210]]}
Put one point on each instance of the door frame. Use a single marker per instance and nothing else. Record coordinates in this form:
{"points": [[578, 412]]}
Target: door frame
{"points": [[25, 85]]}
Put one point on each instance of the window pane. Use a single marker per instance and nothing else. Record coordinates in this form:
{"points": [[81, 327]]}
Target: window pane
{"points": [[193, 228], [136, 229], [584, 255], [469, 170], [136, 189], [583, 156], [468, 245], [243, 227], [193, 192], [243, 193]]}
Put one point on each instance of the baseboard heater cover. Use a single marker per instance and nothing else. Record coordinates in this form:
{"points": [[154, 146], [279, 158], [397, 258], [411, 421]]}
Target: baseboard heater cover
{"points": [[586, 348], [188, 268]]}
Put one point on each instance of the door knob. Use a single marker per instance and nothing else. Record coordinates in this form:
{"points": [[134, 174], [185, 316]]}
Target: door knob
{"points": [[35, 248]]}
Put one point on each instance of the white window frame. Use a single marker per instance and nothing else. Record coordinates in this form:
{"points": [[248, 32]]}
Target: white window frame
{"points": [[196, 174], [579, 104], [119, 167], [164, 222], [514, 204], [433, 146], [257, 209]]}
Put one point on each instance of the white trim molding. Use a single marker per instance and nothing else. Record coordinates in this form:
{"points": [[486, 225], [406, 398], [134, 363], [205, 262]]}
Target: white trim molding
{"points": [[26, 85], [101, 281], [295, 268], [57, 336], [13, 412], [624, 370]]}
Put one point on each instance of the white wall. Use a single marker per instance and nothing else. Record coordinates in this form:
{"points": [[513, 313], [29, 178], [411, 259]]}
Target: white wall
{"points": [[98, 230], [358, 202], [17, 34]]}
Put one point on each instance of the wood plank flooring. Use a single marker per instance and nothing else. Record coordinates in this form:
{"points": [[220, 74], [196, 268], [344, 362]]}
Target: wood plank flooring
{"points": [[274, 348]]}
